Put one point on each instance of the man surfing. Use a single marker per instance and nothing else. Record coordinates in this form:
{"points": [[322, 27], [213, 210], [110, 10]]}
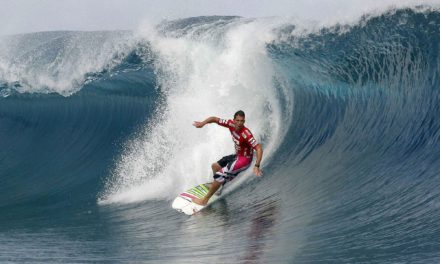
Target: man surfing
{"points": [[230, 166]]}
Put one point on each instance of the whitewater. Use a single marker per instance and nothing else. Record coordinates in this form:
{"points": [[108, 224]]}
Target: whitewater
{"points": [[96, 139]]}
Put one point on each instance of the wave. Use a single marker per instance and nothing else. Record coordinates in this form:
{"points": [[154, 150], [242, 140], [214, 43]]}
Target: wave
{"points": [[63, 62], [347, 115], [52, 145]]}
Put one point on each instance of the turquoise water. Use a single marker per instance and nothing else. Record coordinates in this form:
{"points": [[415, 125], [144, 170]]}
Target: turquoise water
{"points": [[96, 140]]}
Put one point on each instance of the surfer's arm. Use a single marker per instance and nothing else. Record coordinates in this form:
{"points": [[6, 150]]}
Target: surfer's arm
{"points": [[259, 150], [211, 119]]}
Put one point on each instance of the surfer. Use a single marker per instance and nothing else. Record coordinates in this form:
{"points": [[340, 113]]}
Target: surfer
{"points": [[230, 166]]}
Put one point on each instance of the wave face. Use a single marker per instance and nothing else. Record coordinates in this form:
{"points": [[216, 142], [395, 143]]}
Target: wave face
{"points": [[96, 139]]}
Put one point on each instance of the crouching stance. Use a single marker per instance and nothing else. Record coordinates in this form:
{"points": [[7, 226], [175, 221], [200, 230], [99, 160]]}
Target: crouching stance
{"points": [[230, 166]]}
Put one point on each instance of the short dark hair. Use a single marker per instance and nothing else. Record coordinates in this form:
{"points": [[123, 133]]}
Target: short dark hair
{"points": [[239, 113]]}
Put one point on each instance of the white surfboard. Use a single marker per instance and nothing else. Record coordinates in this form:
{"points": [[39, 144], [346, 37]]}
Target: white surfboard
{"points": [[183, 203]]}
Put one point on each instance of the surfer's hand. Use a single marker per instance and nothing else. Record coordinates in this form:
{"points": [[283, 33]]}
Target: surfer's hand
{"points": [[198, 124], [257, 171]]}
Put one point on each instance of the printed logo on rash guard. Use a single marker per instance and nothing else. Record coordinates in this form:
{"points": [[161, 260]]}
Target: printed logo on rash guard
{"points": [[253, 142]]}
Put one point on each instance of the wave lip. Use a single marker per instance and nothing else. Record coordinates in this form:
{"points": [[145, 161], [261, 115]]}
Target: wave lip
{"points": [[60, 61]]}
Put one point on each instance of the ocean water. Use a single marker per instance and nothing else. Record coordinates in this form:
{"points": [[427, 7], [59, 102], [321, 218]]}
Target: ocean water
{"points": [[96, 140]]}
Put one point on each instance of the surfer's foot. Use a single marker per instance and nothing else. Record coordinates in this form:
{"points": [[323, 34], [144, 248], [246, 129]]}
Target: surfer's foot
{"points": [[199, 201]]}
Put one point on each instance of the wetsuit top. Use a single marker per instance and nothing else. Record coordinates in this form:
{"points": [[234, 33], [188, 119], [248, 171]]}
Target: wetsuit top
{"points": [[244, 141]]}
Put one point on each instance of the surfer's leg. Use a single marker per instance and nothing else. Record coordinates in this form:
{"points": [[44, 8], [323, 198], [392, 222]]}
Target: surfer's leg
{"points": [[214, 187], [219, 179], [215, 167]]}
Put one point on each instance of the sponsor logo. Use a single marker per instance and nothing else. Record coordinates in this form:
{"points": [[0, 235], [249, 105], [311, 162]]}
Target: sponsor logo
{"points": [[253, 142]]}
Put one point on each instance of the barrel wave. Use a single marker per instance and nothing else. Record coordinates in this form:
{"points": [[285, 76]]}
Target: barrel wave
{"points": [[96, 140]]}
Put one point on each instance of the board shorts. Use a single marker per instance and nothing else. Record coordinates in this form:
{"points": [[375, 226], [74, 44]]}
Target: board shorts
{"points": [[231, 165]]}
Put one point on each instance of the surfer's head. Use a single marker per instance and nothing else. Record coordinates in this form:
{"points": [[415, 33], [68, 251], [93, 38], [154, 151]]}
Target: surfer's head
{"points": [[239, 119]]}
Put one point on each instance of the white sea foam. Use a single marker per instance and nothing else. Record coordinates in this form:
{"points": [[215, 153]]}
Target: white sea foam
{"points": [[201, 77], [59, 61]]}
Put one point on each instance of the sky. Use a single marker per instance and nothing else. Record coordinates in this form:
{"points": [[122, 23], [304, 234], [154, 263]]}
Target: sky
{"points": [[24, 16]]}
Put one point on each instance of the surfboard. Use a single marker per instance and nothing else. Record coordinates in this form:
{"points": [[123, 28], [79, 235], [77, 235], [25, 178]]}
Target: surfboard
{"points": [[183, 203]]}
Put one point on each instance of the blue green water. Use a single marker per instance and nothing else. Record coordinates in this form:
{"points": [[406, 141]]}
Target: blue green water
{"points": [[96, 140]]}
